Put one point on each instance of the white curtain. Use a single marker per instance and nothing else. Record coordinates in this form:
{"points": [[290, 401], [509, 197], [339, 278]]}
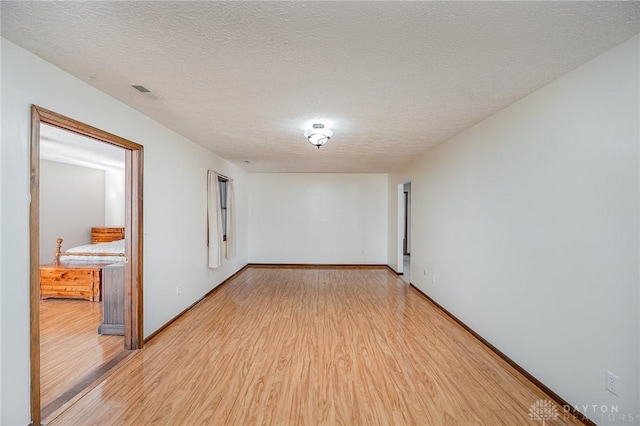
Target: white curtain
{"points": [[214, 218], [231, 221]]}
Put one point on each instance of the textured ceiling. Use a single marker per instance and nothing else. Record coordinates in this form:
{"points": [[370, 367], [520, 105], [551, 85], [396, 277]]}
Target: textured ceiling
{"points": [[391, 79]]}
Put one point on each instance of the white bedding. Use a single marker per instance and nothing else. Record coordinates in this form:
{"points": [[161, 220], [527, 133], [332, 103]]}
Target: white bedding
{"points": [[114, 247]]}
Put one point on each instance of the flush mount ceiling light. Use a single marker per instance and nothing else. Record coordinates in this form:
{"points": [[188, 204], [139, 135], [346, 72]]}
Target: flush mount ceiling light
{"points": [[319, 135]]}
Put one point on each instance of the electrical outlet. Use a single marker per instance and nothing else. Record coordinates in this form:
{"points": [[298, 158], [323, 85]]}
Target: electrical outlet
{"points": [[433, 278], [177, 290], [612, 383]]}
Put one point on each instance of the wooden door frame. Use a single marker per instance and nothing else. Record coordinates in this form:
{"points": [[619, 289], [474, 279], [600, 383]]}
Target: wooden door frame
{"points": [[133, 338], [400, 229], [405, 239]]}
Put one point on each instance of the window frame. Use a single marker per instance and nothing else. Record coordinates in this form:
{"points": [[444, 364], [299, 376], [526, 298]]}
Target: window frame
{"points": [[223, 185]]}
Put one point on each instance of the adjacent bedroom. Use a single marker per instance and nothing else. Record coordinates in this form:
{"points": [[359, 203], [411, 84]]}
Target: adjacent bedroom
{"points": [[82, 216]]}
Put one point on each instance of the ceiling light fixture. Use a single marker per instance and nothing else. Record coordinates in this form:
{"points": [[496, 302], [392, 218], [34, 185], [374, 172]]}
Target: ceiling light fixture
{"points": [[319, 135]]}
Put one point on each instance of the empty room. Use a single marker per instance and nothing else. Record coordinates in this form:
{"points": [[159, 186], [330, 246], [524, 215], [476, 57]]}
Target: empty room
{"points": [[356, 213]]}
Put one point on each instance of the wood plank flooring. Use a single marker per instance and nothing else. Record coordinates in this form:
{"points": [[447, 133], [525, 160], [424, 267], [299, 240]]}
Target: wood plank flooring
{"points": [[311, 346], [70, 344]]}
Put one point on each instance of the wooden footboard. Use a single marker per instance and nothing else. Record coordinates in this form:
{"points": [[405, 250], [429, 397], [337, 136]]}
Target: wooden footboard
{"points": [[59, 253], [70, 281]]}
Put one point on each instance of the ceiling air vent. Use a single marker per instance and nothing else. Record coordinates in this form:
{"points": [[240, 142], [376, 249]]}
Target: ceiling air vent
{"points": [[148, 93], [140, 88]]}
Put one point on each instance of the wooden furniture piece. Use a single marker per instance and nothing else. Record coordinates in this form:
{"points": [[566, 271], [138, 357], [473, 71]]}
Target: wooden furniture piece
{"points": [[59, 254], [98, 235], [73, 281], [106, 234], [79, 279], [112, 299]]}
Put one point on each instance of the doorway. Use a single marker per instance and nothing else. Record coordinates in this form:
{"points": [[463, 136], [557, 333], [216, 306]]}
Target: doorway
{"points": [[133, 175], [404, 231]]}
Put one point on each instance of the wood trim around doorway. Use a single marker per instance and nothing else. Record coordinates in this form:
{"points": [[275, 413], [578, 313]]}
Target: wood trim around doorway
{"points": [[134, 239], [405, 240]]}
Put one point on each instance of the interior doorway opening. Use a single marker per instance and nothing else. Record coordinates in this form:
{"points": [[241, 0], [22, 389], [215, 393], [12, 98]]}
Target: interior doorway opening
{"points": [[404, 231], [81, 194], [131, 265], [406, 246]]}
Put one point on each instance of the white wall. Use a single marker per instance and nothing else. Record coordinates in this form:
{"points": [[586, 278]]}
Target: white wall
{"points": [[529, 222], [175, 205], [114, 198], [318, 218], [71, 202]]}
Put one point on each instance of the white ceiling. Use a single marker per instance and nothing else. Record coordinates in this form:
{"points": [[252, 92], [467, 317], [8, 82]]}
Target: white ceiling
{"points": [[64, 146], [391, 79]]}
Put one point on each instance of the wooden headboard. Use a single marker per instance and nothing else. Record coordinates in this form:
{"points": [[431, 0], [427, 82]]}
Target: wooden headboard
{"points": [[106, 235]]}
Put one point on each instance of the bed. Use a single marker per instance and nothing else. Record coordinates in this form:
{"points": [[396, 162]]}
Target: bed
{"points": [[77, 272]]}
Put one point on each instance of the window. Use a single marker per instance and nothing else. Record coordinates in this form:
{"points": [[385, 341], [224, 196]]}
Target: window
{"points": [[222, 182]]}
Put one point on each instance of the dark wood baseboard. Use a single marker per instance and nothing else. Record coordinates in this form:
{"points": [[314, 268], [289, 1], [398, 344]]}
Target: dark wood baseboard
{"points": [[210, 292], [393, 271], [557, 398], [318, 265]]}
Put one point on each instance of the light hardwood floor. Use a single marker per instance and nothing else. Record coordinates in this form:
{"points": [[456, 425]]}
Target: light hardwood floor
{"points": [[70, 344], [311, 346]]}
